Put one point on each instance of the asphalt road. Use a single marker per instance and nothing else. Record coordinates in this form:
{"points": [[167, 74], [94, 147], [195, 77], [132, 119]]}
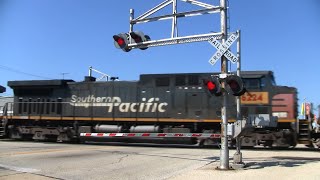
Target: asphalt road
{"points": [[41, 160]]}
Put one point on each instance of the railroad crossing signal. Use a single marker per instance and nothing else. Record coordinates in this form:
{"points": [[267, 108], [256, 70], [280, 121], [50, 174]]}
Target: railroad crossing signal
{"points": [[122, 40], [234, 85], [139, 37], [223, 49]]}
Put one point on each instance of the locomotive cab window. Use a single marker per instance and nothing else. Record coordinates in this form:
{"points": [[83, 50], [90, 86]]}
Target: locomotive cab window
{"points": [[252, 83], [263, 82]]}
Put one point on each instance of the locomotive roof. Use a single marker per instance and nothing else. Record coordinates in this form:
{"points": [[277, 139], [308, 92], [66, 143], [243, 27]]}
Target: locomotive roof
{"points": [[56, 82], [143, 77], [244, 74]]}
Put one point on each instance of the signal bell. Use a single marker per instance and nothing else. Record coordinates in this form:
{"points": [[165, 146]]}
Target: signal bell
{"points": [[235, 85], [121, 41], [213, 86]]}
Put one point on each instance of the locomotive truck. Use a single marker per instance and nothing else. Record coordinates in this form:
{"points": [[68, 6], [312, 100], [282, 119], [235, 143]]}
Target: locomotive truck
{"points": [[61, 110]]}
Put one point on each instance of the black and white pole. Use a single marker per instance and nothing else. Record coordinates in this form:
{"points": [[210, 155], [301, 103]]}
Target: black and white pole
{"points": [[237, 157], [131, 25], [238, 144], [224, 151]]}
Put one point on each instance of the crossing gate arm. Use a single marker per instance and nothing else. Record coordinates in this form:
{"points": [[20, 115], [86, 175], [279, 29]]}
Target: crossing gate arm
{"points": [[172, 135]]}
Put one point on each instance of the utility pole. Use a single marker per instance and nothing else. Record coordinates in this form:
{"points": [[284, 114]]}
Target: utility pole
{"points": [[224, 151], [63, 74]]}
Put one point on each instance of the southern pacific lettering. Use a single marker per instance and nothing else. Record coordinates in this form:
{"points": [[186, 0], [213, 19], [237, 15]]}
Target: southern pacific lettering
{"points": [[150, 105]]}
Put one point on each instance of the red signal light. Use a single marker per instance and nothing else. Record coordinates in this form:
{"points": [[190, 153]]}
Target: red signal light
{"points": [[211, 86], [121, 41]]}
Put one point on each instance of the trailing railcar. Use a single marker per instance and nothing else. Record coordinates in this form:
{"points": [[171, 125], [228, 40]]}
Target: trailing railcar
{"points": [[156, 103]]}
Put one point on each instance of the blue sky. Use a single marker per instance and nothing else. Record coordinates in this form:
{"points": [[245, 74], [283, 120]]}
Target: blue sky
{"points": [[41, 39]]}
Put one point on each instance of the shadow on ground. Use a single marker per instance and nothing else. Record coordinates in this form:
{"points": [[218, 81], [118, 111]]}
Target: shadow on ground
{"points": [[281, 161]]}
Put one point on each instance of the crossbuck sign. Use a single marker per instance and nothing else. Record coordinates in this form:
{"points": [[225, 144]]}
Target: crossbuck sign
{"points": [[223, 49]]}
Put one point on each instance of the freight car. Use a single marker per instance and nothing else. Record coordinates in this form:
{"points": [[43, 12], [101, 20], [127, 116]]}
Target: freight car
{"points": [[156, 103]]}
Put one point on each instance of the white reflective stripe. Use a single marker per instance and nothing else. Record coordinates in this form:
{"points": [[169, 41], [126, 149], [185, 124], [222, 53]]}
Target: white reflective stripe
{"points": [[203, 135]]}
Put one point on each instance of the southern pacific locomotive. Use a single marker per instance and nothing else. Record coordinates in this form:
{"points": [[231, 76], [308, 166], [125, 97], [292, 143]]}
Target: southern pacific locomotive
{"points": [[156, 103]]}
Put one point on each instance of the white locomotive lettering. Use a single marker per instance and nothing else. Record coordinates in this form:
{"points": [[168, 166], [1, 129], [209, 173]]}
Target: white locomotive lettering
{"points": [[150, 105]]}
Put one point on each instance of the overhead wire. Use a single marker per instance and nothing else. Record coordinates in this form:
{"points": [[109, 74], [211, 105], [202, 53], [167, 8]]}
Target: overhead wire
{"points": [[21, 72]]}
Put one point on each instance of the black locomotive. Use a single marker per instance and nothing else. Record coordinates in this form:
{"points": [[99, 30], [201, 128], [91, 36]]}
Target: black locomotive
{"points": [[156, 103]]}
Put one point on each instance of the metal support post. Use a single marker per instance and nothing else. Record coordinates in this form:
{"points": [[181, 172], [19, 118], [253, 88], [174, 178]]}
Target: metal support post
{"points": [[174, 31], [237, 157], [224, 151], [174, 38], [131, 25], [238, 144], [238, 72], [131, 18]]}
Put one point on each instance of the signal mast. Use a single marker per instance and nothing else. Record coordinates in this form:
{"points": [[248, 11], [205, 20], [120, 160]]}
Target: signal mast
{"points": [[221, 86]]}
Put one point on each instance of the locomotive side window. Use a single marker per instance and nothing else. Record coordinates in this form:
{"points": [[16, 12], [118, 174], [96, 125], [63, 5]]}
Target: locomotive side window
{"points": [[162, 81], [193, 80], [180, 80]]}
